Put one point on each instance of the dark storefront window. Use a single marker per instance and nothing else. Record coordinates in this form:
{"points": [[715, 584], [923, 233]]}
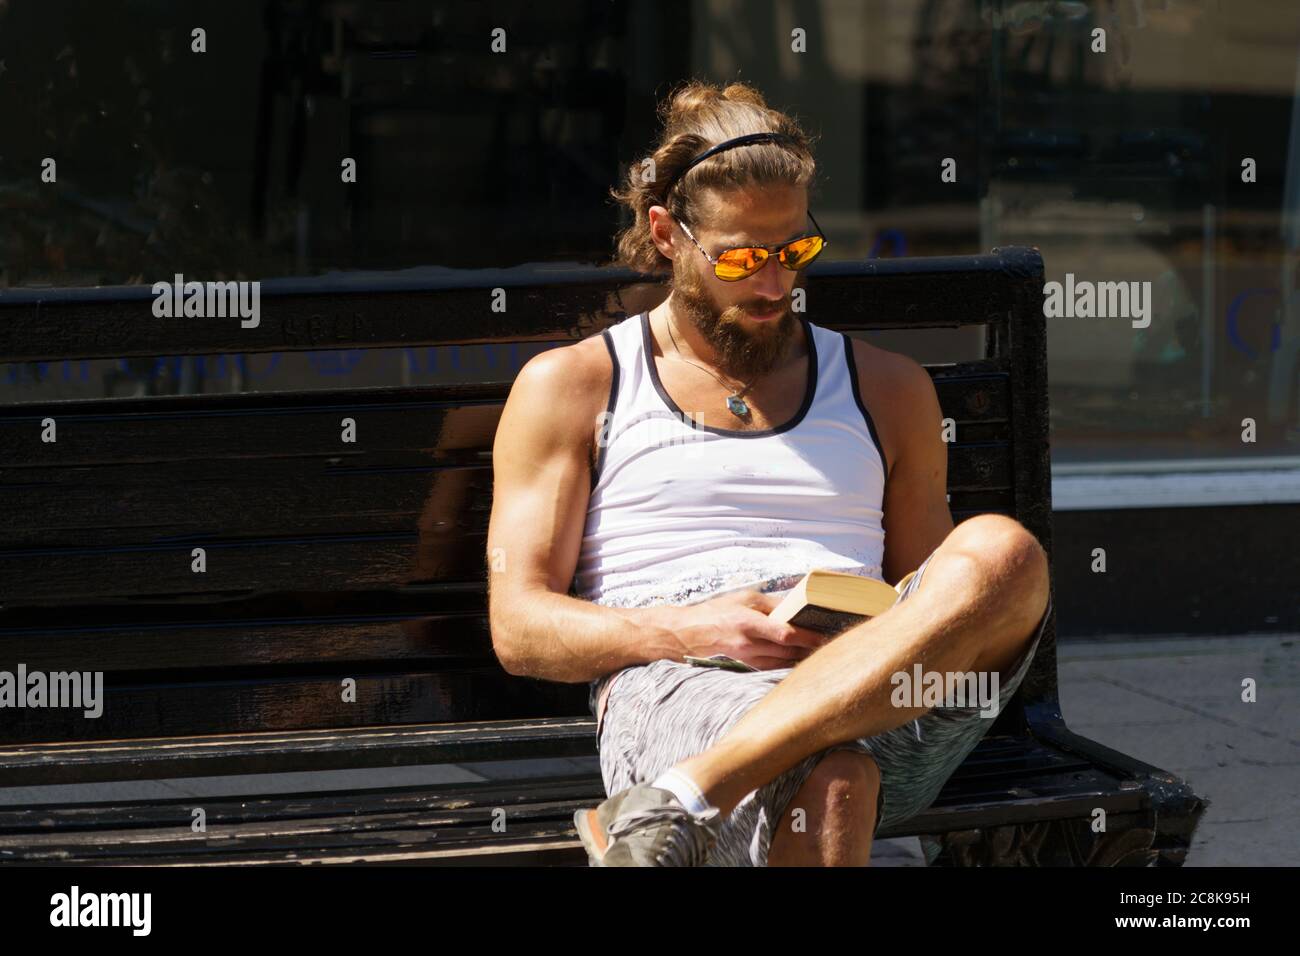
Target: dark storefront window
{"points": [[1123, 166]]}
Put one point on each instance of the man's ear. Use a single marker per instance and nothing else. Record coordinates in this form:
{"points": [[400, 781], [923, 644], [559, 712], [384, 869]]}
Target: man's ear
{"points": [[657, 220]]}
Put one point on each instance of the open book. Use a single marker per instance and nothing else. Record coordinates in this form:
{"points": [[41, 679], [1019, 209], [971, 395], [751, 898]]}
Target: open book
{"points": [[826, 601]]}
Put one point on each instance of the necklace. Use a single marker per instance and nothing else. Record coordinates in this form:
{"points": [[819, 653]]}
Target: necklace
{"points": [[736, 400]]}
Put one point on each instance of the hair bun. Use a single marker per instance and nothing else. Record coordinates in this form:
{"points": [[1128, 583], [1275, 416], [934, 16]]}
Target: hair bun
{"points": [[696, 116]]}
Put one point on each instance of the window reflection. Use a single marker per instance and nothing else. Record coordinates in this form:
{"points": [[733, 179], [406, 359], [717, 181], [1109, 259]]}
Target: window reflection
{"points": [[1170, 157]]}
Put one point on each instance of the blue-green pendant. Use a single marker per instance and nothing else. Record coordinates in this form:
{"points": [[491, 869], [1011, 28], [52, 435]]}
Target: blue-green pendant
{"points": [[737, 406]]}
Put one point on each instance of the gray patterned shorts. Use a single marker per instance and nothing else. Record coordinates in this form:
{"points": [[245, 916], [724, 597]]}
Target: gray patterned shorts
{"points": [[661, 713]]}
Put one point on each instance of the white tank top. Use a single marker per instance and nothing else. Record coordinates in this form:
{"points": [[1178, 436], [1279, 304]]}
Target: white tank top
{"points": [[680, 510]]}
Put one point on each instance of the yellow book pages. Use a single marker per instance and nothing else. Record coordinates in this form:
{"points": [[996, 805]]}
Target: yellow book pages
{"points": [[836, 591]]}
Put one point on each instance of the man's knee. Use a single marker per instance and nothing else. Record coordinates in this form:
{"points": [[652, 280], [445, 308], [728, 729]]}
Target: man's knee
{"points": [[1000, 546], [1013, 570], [849, 769]]}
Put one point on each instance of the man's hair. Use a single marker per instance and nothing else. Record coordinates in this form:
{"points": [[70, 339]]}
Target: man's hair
{"points": [[697, 116]]}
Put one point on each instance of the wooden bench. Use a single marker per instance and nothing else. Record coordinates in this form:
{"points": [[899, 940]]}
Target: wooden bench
{"points": [[328, 560]]}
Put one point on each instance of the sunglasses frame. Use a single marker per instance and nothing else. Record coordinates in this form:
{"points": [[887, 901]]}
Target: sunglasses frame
{"points": [[773, 249]]}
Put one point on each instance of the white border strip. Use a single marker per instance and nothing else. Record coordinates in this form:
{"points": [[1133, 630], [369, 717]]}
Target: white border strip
{"points": [[1182, 484], [1163, 466]]}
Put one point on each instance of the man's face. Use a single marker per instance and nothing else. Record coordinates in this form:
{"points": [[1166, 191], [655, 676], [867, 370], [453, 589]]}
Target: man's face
{"points": [[723, 311]]}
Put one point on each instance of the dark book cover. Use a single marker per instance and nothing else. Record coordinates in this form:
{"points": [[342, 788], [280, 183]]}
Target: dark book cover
{"points": [[825, 621]]}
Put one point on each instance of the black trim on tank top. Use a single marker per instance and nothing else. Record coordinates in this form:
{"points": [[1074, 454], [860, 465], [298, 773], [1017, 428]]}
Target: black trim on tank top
{"points": [[809, 390], [857, 399], [609, 406]]}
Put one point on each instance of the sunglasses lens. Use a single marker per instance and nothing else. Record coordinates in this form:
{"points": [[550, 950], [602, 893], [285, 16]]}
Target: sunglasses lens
{"points": [[738, 263], [801, 252]]}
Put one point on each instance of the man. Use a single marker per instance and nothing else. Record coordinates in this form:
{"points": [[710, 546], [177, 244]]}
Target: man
{"points": [[659, 485]]}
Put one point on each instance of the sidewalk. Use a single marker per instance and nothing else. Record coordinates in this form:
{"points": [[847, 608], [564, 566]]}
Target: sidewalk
{"points": [[1172, 702], [1176, 703]]}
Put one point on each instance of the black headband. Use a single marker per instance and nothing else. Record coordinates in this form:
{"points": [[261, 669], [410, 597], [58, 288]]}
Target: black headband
{"points": [[729, 144]]}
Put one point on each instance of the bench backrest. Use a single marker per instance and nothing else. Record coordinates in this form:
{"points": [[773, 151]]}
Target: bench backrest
{"points": [[327, 560]]}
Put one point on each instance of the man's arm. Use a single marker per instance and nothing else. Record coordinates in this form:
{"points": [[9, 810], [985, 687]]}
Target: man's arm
{"points": [[541, 485], [917, 517]]}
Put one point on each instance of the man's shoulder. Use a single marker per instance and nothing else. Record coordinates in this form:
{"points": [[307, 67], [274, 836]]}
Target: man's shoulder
{"points": [[563, 391], [576, 368], [883, 373], [898, 392]]}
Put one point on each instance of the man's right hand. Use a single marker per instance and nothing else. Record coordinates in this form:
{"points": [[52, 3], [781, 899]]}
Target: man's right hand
{"points": [[736, 624]]}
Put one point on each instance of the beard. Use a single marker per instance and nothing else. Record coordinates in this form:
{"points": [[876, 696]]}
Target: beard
{"points": [[744, 352]]}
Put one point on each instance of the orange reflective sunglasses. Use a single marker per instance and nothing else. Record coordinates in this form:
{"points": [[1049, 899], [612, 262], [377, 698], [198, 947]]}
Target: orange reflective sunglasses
{"points": [[743, 261]]}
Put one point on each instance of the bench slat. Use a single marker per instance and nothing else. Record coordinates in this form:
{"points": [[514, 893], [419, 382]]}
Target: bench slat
{"points": [[452, 802], [237, 501], [188, 707], [219, 754], [227, 646], [456, 307], [455, 423], [302, 562]]}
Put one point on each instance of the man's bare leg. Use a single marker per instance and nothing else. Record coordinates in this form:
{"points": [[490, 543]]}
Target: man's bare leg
{"points": [[838, 801], [983, 593]]}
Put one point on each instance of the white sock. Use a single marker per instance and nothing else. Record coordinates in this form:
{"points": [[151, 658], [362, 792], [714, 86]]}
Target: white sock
{"points": [[683, 788]]}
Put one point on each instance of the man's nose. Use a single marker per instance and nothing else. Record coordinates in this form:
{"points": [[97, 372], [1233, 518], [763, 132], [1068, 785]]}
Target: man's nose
{"points": [[769, 282]]}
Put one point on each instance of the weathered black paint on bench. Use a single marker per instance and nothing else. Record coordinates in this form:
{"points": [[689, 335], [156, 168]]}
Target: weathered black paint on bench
{"points": [[367, 561]]}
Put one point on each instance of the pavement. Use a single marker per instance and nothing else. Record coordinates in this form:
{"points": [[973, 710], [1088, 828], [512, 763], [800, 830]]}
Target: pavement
{"points": [[1175, 702]]}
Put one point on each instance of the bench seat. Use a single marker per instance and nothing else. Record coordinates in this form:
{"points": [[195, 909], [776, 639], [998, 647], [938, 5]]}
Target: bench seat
{"points": [[1006, 781]]}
